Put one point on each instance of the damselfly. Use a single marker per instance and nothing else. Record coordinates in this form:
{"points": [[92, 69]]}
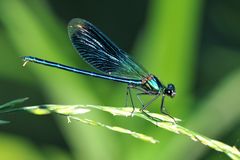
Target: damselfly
{"points": [[101, 53]]}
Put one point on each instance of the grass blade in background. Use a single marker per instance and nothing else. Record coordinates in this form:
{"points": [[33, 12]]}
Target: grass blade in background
{"points": [[168, 46], [7, 69], [169, 41], [29, 25]]}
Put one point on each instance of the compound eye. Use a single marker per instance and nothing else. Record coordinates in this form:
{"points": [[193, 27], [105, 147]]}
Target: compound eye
{"points": [[171, 87]]}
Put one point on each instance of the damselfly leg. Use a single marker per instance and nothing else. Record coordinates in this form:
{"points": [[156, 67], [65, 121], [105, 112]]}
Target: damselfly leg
{"points": [[163, 109], [130, 95], [146, 105]]}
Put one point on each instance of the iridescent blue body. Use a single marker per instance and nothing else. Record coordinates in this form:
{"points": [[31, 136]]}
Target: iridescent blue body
{"points": [[76, 70], [114, 64]]}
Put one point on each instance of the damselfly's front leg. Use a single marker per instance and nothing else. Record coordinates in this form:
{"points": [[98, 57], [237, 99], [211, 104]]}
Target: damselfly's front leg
{"points": [[164, 111], [130, 95]]}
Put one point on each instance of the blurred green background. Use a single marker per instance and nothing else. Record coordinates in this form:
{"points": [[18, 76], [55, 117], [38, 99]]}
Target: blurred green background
{"points": [[193, 44]]}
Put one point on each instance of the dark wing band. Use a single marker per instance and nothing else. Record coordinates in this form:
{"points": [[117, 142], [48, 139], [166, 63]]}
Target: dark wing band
{"points": [[101, 53]]}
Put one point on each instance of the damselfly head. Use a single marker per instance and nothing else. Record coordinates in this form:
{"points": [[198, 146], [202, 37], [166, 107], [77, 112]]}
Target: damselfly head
{"points": [[170, 90]]}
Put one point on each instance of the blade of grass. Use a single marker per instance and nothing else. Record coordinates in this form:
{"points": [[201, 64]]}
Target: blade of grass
{"points": [[4, 122], [169, 41], [13, 103], [44, 44], [217, 113], [168, 48], [163, 122]]}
